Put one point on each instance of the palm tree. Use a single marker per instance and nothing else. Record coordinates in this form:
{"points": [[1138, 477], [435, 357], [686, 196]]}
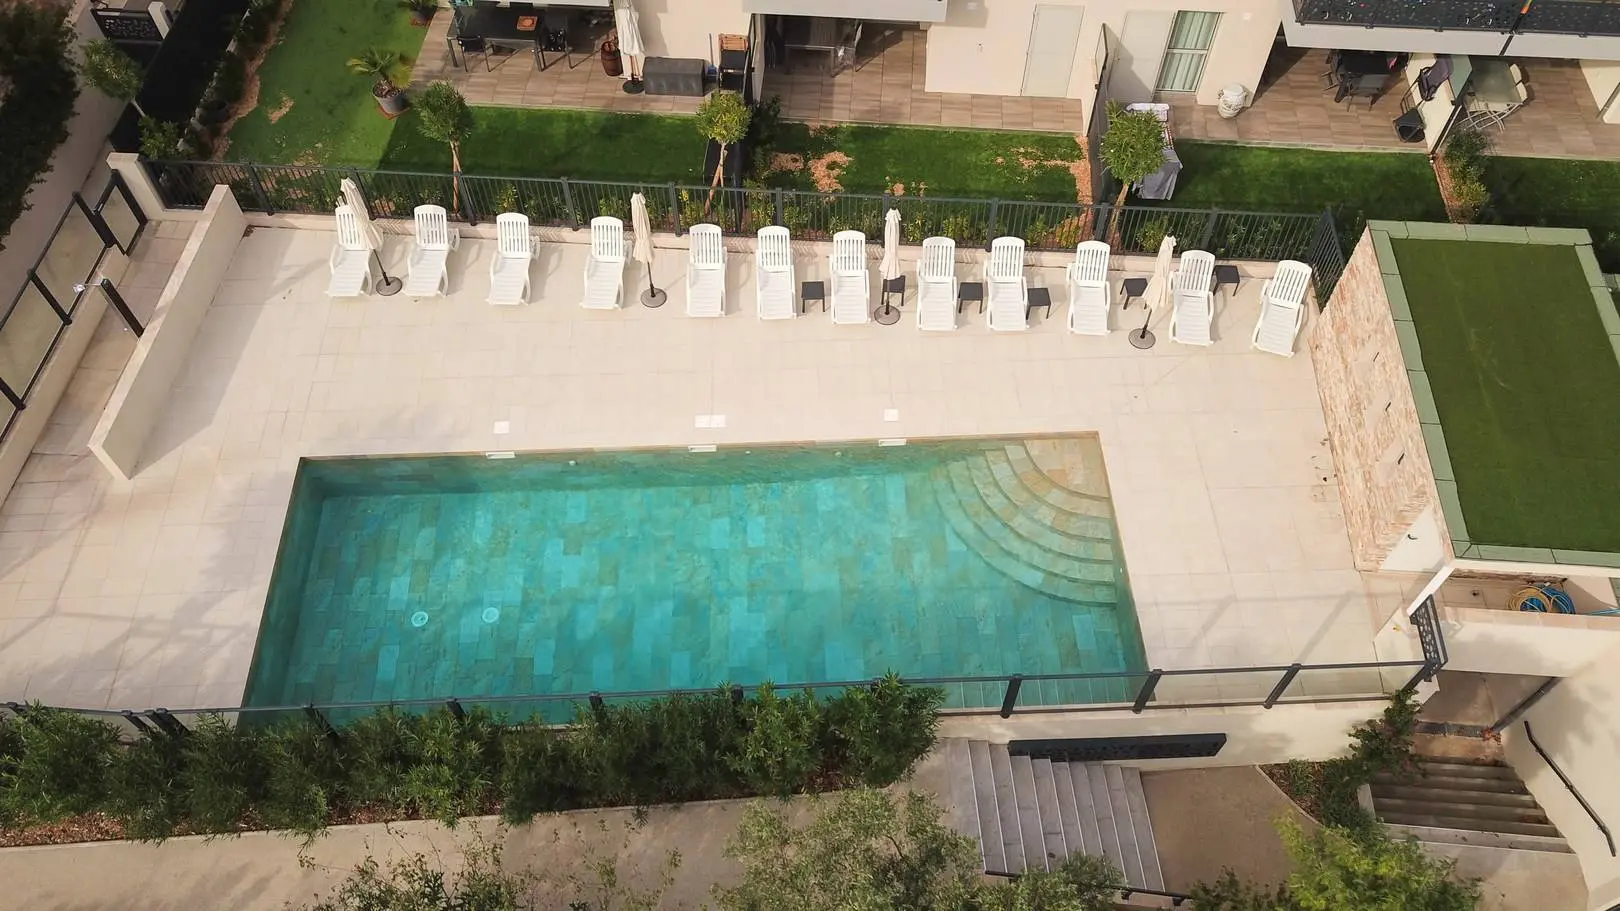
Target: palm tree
{"points": [[387, 69]]}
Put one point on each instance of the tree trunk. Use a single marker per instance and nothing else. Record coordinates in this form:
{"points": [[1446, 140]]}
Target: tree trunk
{"points": [[719, 175], [1116, 217], [455, 176]]}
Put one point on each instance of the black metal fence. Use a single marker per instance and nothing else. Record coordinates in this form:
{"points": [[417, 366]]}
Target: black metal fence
{"points": [[1561, 17], [1309, 237]]}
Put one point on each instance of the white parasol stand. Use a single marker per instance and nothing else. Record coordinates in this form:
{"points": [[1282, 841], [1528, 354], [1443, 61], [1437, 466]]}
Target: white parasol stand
{"points": [[388, 284], [630, 46], [641, 226], [1158, 291]]}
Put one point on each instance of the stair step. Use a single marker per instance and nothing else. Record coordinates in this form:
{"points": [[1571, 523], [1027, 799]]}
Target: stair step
{"points": [[1449, 822], [1120, 808], [1036, 519], [1029, 814], [995, 526], [1012, 838], [1015, 461], [1152, 873], [1068, 807], [1429, 768], [1046, 799], [984, 799], [1481, 813], [1447, 783], [1095, 525], [1508, 842], [1516, 798], [1085, 803], [1106, 825]]}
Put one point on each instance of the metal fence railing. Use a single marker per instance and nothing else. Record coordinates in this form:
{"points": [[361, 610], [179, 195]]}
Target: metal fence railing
{"points": [[557, 201], [1558, 17]]}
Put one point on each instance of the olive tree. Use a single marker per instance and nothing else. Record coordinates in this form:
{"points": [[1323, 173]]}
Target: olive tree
{"points": [[722, 118], [1132, 148]]}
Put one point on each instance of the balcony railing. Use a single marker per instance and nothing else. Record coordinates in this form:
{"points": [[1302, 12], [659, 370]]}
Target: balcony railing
{"points": [[1558, 17]]}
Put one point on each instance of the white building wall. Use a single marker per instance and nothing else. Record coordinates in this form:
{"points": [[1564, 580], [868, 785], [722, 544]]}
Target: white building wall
{"points": [[1603, 78], [689, 28], [1421, 549]]}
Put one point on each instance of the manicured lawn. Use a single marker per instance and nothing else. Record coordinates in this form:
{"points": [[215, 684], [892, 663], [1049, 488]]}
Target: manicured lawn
{"points": [[1559, 193], [1356, 185], [589, 145], [1527, 386], [324, 113], [919, 161]]}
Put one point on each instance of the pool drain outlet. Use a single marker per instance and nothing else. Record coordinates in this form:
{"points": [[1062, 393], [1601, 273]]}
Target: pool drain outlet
{"points": [[491, 614], [419, 619]]}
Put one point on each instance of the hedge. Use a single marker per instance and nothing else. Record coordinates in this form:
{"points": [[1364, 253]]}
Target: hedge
{"points": [[57, 765], [35, 63]]}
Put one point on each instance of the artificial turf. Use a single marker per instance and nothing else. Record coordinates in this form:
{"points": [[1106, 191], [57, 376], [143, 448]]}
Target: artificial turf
{"points": [[1527, 386], [921, 161], [324, 114]]}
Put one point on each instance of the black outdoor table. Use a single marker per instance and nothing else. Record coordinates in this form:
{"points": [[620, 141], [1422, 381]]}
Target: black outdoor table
{"points": [[497, 25], [1361, 74]]}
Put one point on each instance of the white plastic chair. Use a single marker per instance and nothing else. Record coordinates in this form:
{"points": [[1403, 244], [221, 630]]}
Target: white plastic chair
{"points": [[1192, 305], [509, 270], [350, 261], [1006, 291], [427, 275], [773, 274], [604, 266], [936, 284], [1282, 308], [851, 280], [1088, 289], [706, 272]]}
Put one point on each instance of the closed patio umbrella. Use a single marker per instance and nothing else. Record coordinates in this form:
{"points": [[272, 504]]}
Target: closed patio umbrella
{"points": [[1158, 291], [356, 200], [630, 46], [889, 269], [641, 226]]}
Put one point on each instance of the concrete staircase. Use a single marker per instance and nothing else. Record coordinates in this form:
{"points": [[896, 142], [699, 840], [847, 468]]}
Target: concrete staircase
{"points": [[1465, 801], [1029, 814]]}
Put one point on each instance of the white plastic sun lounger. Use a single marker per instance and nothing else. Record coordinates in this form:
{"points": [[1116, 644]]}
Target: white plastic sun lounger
{"points": [[1088, 289], [706, 272], [604, 266], [851, 280], [1282, 308], [936, 284], [352, 274], [427, 275], [773, 274], [509, 270], [1005, 289], [1192, 306]]}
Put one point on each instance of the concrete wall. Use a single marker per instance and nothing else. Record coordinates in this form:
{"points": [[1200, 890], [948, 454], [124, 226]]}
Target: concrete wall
{"points": [[1578, 724], [1420, 549], [1603, 78], [1254, 735], [1518, 642], [983, 45], [143, 388], [1385, 481], [688, 28]]}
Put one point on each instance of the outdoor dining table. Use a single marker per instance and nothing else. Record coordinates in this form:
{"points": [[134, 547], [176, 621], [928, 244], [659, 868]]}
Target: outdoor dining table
{"points": [[1361, 74], [1492, 82], [496, 25], [822, 34]]}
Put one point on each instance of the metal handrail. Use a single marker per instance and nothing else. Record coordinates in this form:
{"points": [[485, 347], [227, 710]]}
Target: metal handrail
{"points": [[1125, 893], [1570, 786]]}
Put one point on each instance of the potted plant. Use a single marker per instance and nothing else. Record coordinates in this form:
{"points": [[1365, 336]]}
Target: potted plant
{"points": [[389, 76], [112, 71], [722, 118], [442, 114], [421, 11]]}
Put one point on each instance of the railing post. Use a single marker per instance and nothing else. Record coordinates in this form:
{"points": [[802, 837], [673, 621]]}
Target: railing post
{"points": [[319, 720], [1145, 694], [137, 722], [1209, 228], [468, 210], [990, 225], [1283, 684], [675, 208], [258, 189], [17, 708], [1099, 225], [736, 692], [454, 705], [598, 705], [779, 203], [568, 203], [1009, 702], [354, 175], [17, 403], [168, 723]]}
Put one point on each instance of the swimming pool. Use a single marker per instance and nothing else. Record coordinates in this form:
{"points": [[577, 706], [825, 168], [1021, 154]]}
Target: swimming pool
{"points": [[428, 577]]}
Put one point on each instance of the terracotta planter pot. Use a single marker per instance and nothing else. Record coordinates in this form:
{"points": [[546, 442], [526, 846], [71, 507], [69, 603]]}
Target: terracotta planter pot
{"points": [[391, 101]]}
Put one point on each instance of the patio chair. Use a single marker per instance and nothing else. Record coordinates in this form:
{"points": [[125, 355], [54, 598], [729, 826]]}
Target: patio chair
{"points": [[773, 274], [1192, 305], [936, 284], [1088, 289], [509, 270], [851, 281], [1006, 290], [350, 261], [706, 272], [428, 275], [604, 265], [1282, 308]]}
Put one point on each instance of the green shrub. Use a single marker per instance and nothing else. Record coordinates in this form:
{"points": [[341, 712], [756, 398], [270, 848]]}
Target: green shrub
{"points": [[303, 779], [885, 729], [537, 772], [1385, 743], [64, 767], [695, 734], [34, 113], [225, 773], [1228, 893], [160, 139], [453, 765], [782, 748], [144, 792], [378, 751]]}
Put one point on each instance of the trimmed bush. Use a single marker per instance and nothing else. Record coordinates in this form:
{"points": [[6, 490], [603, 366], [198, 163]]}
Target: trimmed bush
{"points": [[63, 769], [34, 60]]}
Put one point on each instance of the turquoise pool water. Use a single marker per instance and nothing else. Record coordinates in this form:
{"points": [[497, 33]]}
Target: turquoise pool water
{"points": [[410, 578]]}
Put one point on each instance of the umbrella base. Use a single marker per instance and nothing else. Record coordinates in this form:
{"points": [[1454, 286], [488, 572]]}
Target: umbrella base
{"points": [[886, 315], [1142, 338], [634, 87], [653, 297], [389, 285]]}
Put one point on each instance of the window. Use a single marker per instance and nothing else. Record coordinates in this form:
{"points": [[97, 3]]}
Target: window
{"points": [[1184, 56]]}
